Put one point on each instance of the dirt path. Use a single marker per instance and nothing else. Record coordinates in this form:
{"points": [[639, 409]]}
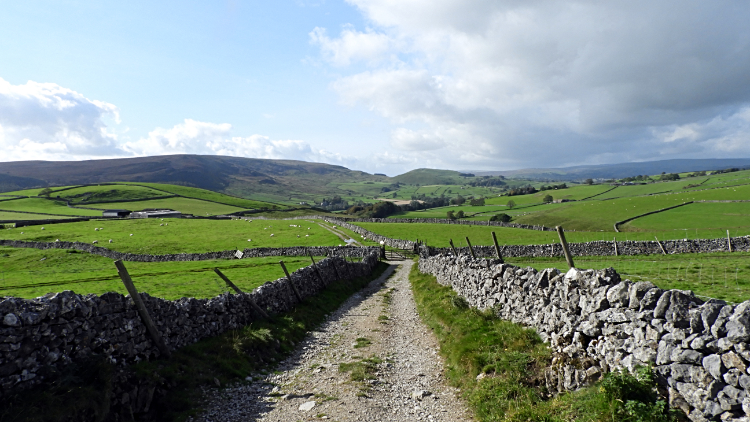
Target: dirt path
{"points": [[376, 338]]}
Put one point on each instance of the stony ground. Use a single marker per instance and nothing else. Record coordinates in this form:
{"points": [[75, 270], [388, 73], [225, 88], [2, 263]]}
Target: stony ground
{"points": [[373, 360]]}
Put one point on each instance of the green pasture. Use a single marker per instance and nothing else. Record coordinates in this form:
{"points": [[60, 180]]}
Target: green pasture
{"points": [[595, 215], [30, 273], [25, 192], [733, 216], [25, 216], [208, 195], [107, 192], [648, 189], [573, 192], [46, 206], [179, 235], [196, 207], [439, 234], [723, 275]]}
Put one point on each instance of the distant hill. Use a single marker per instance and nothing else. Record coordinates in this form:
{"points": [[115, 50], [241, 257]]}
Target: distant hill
{"points": [[431, 177], [264, 179], [621, 170]]}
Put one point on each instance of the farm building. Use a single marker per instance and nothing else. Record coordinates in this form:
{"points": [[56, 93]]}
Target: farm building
{"points": [[156, 214], [115, 213]]}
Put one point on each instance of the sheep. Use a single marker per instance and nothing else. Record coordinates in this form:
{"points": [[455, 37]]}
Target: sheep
{"points": [[271, 234], [57, 240], [110, 240], [96, 241], [249, 240], [297, 235], [21, 232], [307, 235], [96, 229], [42, 228], [131, 234], [161, 224]]}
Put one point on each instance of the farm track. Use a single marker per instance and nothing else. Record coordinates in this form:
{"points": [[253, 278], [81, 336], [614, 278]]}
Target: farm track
{"points": [[378, 328]]}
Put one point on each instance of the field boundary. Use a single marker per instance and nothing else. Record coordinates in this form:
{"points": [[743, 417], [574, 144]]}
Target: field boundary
{"points": [[346, 251], [77, 327], [595, 323], [617, 224]]}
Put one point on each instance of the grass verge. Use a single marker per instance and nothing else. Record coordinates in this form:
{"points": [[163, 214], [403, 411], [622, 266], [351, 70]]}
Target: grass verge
{"points": [[228, 358], [512, 359]]}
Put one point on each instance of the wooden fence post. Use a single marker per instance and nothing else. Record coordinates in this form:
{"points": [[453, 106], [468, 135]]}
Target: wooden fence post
{"points": [[141, 307], [470, 248], [564, 244], [729, 241], [291, 283], [614, 242], [453, 247], [497, 247], [315, 267], [663, 251], [240, 292]]}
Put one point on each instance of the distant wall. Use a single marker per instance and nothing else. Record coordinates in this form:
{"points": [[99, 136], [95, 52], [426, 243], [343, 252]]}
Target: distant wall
{"points": [[594, 322], [229, 254]]}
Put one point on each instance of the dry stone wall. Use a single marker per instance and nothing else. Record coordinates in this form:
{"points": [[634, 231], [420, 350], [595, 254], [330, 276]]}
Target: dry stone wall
{"points": [[348, 251], [595, 322], [57, 329]]}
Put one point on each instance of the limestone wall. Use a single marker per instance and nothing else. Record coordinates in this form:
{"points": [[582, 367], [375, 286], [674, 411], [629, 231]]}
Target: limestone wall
{"points": [[595, 322], [60, 328]]}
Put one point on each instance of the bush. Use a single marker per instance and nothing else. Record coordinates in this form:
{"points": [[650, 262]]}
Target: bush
{"points": [[547, 199], [501, 217]]}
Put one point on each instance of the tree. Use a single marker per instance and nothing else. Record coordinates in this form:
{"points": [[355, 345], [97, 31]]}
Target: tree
{"points": [[511, 204], [589, 181], [45, 192], [547, 199], [501, 217], [451, 216], [460, 214], [458, 200]]}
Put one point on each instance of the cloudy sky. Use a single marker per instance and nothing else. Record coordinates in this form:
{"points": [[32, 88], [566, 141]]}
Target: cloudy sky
{"points": [[377, 85]]}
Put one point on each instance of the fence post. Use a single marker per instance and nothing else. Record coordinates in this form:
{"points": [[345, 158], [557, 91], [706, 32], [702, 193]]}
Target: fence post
{"points": [[291, 283], [729, 241], [315, 267], [564, 244], [454, 248], [614, 241], [497, 247], [141, 307], [470, 248], [240, 292], [663, 251]]}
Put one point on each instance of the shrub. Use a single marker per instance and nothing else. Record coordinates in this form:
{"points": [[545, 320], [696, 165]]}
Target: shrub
{"points": [[503, 217], [547, 199]]}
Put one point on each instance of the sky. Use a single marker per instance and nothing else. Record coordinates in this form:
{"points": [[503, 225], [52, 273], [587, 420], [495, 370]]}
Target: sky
{"points": [[377, 85]]}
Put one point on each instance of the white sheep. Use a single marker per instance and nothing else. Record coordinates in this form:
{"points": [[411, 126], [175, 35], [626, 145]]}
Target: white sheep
{"points": [[110, 240], [96, 229], [57, 240], [271, 234], [131, 234], [21, 232], [249, 240], [42, 228], [307, 235], [161, 224], [96, 241], [297, 235]]}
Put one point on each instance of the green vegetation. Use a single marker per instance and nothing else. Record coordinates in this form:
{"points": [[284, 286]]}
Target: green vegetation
{"points": [[723, 276], [16, 216], [196, 207], [208, 195], [177, 235], [30, 273], [46, 206], [512, 359], [705, 215], [84, 389], [107, 192]]}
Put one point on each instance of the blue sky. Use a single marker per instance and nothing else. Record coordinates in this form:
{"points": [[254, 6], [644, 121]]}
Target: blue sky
{"points": [[382, 86]]}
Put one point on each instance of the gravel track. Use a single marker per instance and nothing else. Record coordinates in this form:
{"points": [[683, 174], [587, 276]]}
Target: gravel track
{"points": [[379, 325]]}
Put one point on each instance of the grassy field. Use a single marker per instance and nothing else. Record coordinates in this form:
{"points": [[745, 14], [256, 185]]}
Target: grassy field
{"points": [[30, 273], [15, 216], [439, 234], [180, 235], [107, 192], [208, 195], [184, 205], [723, 276], [733, 216], [45, 206]]}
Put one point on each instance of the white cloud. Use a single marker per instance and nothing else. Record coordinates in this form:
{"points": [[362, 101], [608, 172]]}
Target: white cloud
{"points": [[351, 46], [47, 121], [541, 82]]}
